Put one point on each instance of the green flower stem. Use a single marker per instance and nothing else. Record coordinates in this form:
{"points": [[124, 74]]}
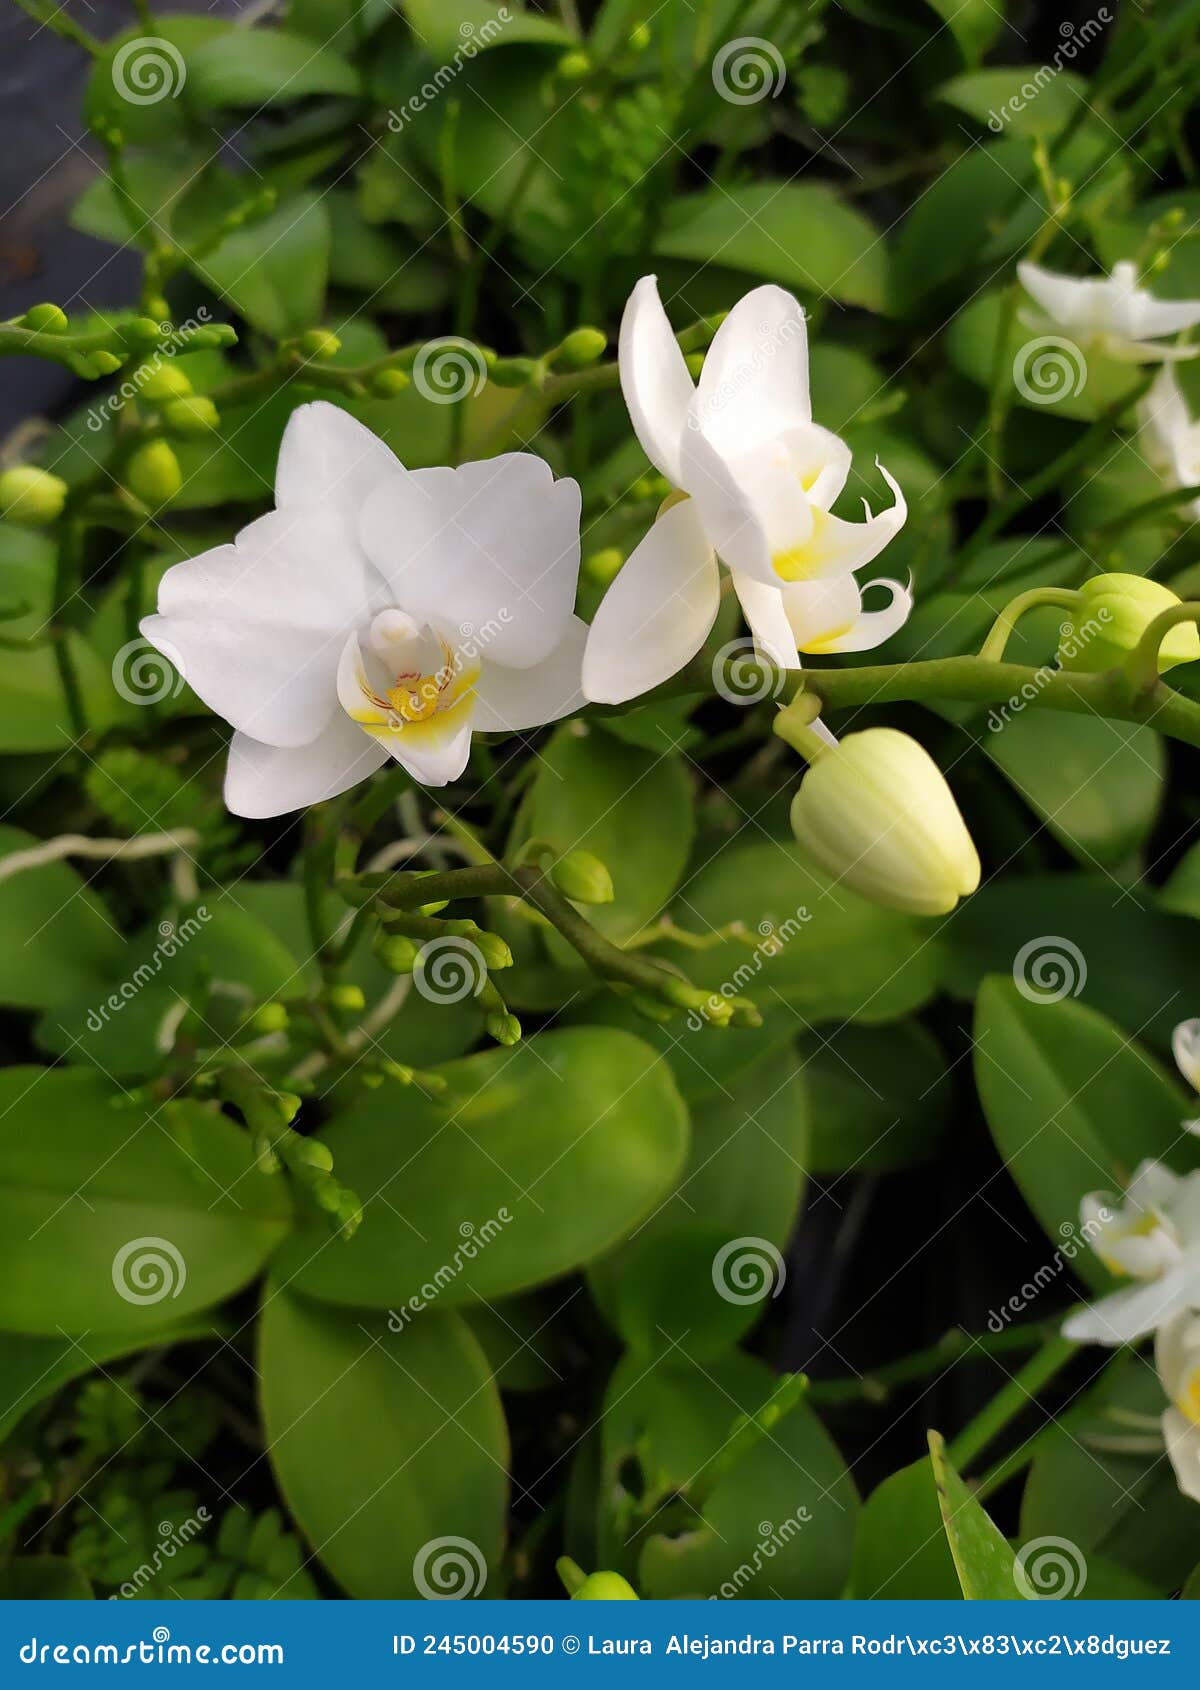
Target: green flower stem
{"points": [[992, 649], [953, 1347], [607, 961], [1012, 1400], [793, 725], [980, 681], [1143, 662]]}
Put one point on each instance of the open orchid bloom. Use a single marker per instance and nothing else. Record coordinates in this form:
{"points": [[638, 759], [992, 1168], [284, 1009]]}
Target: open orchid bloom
{"points": [[378, 613], [1124, 320], [1169, 437], [1177, 1358], [760, 478], [1152, 1237], [1185, 1045]]}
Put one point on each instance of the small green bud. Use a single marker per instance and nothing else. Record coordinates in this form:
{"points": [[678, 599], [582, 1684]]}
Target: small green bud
{"points": [[603, 566], [397, 952], [605, 1587], [327, 1194], [346, 997], [160, 381], [505, 1029], [193, 415], [45, 319], [398, 1071], [287, 1105], [493, 949], [157, 306], [386, 384], [31, 496], [153, 473], [264, 1154], [639, 37], [269, 1018], [582, 347], [319, 343], [311, 1153], [573, 67], [583, 878], [1110, 617], [515, 372], [141, 331], [105, 363]]}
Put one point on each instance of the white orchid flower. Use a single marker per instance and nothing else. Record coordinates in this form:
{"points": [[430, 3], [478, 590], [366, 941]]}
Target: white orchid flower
{"points": [[759, 478], [1168, 435], [1185, 1046], [1177, 1358], [1122, 319], [1152, 1237], [378, 612]]}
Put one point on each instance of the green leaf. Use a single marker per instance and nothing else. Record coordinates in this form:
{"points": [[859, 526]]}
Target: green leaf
{"points": [[154, 68], [984, 1560], [43, 1578], [1073, 1105], [260, 67], [742, 1182], [167, 1208], [631, 808], [974, 24], [56, 937], [478, 1195], [443, 29], [387, 1447], [1030, 100], [381, 264], [821, 950], [900, 1549], [796, 233], [880, 1098], [273, 272]]}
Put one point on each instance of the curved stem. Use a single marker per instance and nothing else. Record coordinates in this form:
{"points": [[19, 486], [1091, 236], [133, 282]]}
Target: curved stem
{"points": [[104, 850], [993, 647]]}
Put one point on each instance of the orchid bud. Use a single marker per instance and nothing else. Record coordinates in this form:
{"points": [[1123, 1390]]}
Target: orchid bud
{"points": [[582, 347], [319, 343], [192, 415], [397, 952], [161, 382], [605, 1587], [45, 319], [153, 473], [604, 566], [346, 997], [582, 877], [386, 384], [31, 496], [876, 813], [504, 1028], [1112, 614]]}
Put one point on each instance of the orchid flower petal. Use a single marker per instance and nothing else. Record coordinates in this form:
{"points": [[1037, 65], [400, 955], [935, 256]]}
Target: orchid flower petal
{"points": [[654, 378], [754, 384], [268, 780], [510, 700]]}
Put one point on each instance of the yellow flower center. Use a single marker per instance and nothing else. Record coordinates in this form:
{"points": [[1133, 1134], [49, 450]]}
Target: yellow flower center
{"points": [[798, 563], [1188, 1400], [1143, 1227]]}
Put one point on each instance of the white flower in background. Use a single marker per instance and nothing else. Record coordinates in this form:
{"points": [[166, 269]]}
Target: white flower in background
{"points": [[1152, 1237], [1185, 1045], [1123, 320], [759, 478], [1177, 1357], [378, 612], [1168, 436]]}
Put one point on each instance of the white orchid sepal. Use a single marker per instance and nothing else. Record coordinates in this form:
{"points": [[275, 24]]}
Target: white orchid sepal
{"points": [[1126, 322]]}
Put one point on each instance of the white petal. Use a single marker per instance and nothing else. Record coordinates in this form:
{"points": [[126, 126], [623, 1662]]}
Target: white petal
{"points": [[821, 612], [1152, 317], [1185, 1046], [871, 627], [1177, 1351], [1066, 299], [753, 508], [657, 613], [654, 378], [837, 546], [487, 553], [754, 383], [1132, 1312], [256, 627], [1182, 1439], [508, 700], [328, 455], [764, 610], [265, 780]]}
